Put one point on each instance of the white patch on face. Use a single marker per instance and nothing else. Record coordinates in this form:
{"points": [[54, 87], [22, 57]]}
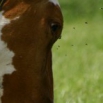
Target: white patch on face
{"points": [[55, 2], [6, 56], [16, 18]]}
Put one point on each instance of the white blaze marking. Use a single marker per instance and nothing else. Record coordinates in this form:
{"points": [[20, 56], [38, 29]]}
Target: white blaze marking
{"points": [[6, 56], [55, 2]]}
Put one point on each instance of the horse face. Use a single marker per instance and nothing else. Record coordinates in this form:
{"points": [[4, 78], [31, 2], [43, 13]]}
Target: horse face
{"points": [[38, 24], [29, 30]]}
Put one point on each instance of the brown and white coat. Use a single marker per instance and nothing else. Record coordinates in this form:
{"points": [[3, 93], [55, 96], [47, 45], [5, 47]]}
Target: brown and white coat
{"points": [[28, 29]]}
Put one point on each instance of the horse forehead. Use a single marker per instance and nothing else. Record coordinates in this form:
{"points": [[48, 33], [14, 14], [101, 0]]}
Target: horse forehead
{"points": [[54, 2]]}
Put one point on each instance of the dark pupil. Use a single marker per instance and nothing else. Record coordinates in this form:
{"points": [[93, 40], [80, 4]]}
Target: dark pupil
{"points": [[54, 27]]}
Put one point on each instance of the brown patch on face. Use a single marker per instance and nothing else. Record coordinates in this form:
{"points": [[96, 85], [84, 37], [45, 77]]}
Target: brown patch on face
{"points": [[17, 10], [42, 21], [6, 3]]}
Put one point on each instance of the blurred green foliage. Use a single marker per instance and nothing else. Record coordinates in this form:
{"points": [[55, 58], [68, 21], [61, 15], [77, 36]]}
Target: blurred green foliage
{"points": [[77, 9], [78, 56]]}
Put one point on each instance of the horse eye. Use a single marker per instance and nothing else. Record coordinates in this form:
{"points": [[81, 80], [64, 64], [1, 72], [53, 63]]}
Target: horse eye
{"points": [[54, 27]]}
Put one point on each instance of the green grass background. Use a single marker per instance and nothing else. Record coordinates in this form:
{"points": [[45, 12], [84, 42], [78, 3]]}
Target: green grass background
{"points": [[78, 55]]}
